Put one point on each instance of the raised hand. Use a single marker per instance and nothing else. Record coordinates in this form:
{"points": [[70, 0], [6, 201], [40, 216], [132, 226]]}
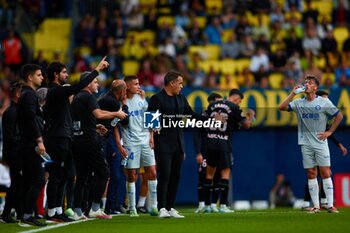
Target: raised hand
{"points": [[102, 65]]}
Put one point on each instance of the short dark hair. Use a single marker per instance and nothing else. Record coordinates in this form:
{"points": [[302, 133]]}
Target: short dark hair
{"points": [[322, 92], [54, 67], [128, 78], [236, 92], [311, 77], [15, 87], [29, 69], [213, 96], [171, 76]]}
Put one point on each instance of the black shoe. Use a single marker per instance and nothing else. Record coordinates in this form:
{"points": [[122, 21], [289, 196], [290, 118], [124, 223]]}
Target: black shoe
{"points": [[112, 212], [59, 218], [8, 220], [142, 210], [32, 221]]}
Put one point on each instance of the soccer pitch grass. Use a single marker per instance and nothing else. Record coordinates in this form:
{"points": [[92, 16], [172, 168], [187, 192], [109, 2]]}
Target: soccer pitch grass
{"points": [[278, 220]]}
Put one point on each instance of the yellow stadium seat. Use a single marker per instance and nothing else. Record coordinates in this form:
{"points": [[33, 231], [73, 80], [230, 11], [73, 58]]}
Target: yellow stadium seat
{"points": [[228, 66], [275, 80], [214, 6], [324, 7], [201, 20], [226, 34], [242, 63], [165, 19], [213, 51], [130, 67], [228, 82], [340, 35], [148, 35], [210, 52], [209, 65]]}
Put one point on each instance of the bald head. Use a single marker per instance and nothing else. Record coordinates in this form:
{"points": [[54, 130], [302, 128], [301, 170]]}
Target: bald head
{"points": [[118, 85]]}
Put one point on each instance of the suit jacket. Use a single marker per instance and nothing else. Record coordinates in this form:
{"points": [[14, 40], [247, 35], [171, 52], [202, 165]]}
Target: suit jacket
{"points": [[171, 138]]}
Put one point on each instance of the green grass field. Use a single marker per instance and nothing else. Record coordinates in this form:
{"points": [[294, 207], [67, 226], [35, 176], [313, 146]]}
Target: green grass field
{"points": [[279, 220]]}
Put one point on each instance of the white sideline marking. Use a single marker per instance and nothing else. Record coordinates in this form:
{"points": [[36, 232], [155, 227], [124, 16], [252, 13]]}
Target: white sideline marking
{"points": [[56, 226]]}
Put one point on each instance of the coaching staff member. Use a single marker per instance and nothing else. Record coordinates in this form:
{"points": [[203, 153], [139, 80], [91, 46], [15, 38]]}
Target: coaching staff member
{"points": [[10, 155], [87, 148], [169, 142], [30, 125], [59, 132]]}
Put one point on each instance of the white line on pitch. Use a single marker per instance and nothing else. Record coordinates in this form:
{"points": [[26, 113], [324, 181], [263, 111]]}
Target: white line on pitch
{"points": [[55, 226]]}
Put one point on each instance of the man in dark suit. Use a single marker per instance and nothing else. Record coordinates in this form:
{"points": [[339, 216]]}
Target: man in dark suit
{"points": [[169, 142]]}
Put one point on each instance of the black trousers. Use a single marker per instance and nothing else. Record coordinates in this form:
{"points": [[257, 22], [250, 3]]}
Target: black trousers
{"points": [[13, 196], [34, 177], [89, 157], [169, 169], [59, 149]]}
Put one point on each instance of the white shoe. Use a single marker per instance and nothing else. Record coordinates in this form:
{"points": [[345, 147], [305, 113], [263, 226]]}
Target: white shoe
{"points": [[99, 214], [175, 214], [163, 213], [214, 209], [225, 209], [200, 209], [77, 217]]}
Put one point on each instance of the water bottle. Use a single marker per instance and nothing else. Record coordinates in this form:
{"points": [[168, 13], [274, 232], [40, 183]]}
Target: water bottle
{"points": [[124, 161], [46, 157], [299, 90], [115, 121]]}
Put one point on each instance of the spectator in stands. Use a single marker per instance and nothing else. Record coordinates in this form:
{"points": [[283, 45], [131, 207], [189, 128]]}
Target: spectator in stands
{"points": [[118, 30], [342, 74], [278, 60], [309, 12], [261, 28], [126, 6], [312, 69], [276, 15], [259, 63], [329, 44], [135, 20], [262, 42], [293, 73], [228, 18], [40, 60], [12, 51], [324, 27], [311, 41], [261, 6], [243, 27], [341, 14], [194, 33], [84, 33], [182, 20], [247, 46], [288, 4], [198, 6], [150, 20], [163, 32], [198, 77], [230, 49], [214, 31]]}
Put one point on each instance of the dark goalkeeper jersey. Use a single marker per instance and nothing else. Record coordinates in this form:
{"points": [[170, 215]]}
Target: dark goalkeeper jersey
{"points": [[220, 138]]}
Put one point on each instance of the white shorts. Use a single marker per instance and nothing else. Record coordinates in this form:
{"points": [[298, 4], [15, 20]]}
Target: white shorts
{"points": [[140, 155], [316, 156]]}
